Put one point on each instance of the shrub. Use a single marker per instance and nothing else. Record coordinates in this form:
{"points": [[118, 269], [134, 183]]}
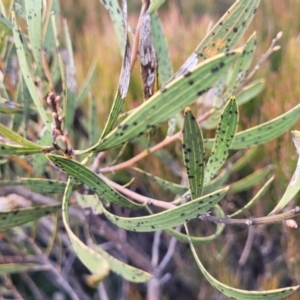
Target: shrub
{"points": [[41, 112]]}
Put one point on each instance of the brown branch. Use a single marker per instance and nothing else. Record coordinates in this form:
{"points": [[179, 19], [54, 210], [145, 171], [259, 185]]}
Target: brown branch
{"points": [[253, 221], [137, 197]]}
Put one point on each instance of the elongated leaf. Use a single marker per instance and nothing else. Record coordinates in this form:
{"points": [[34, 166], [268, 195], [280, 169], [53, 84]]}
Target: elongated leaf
{"points": [[250, 91], [250, 180], [93, 128], [171, 217], [265, 132], [49, 38], [86, 85], [92, 180], [6, 149], [39, 185], [200, 240], [126, 271], [224, 35], [90, 258], [194, 154], [224, 138], [10, 107], [18, 268], [27, 74], [4, 21], [238, 293], [17, 217], [117, 19], [121, 93], [164, 184], [34, 23], [15, 137], [155, 5], [240, 67], [294, 184], [167, 102], [161, 48], [259, 194]]}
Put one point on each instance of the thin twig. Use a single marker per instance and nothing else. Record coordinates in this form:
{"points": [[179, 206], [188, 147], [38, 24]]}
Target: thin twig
{"points": [[253, 221], [137, 197], [155, 248], [248, 246], [273, 47]]}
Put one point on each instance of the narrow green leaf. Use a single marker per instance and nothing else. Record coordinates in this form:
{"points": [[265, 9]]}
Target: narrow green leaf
{"points": [[39, 185], [12, 268], [250, 180], [200, 240], [259, 194], [92, 180], [294, 184], [167, 102], [93, 128], [27, 74], [155, 5], [238, 293], [164, 184], [224, 35], [117, 19], [194, 154], [6, 149], [15, 137], [250, 91], [121, 93], [20, 216], [264, 132], [126, 271], [86, 84], [4, 21], [161, 48], [171, 217], [34, 23], [90, 258], [49, 38], [225, 135], [10, 107], [71, 82], [240, 67]]}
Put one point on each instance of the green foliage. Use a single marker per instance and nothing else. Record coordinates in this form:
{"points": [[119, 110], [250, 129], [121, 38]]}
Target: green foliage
{"points": [[41, 146]]}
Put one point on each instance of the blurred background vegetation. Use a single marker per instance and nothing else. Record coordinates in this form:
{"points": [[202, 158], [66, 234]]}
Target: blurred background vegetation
{"points": [[274, 259]]}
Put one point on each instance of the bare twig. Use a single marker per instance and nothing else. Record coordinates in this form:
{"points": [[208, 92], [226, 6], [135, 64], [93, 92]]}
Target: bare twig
{"points": [[248, 246], [253, 221], [135, 196], [102, 292], [155, 248], [273, 47]]}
